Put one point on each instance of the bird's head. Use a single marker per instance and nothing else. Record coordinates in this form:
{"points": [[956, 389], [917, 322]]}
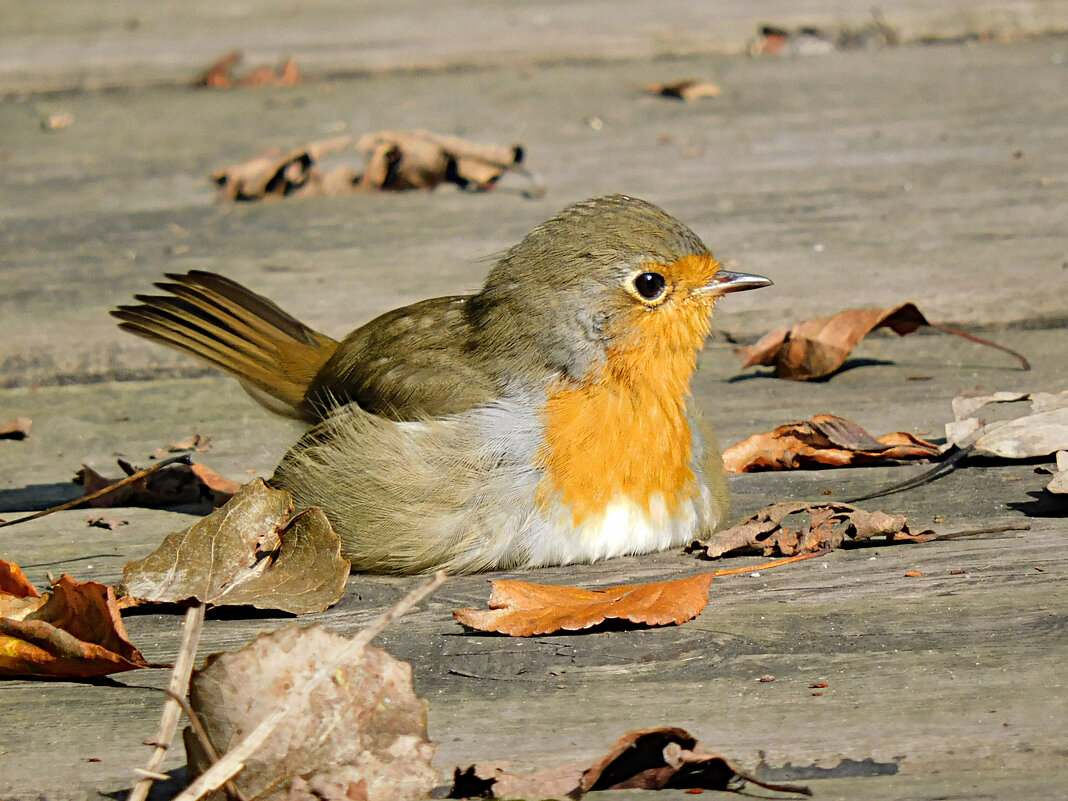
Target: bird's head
{"points": [[609, 283]]}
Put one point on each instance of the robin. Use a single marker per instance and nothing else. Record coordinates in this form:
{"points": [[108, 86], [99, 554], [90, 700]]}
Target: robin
{"points": [[544, 420]]}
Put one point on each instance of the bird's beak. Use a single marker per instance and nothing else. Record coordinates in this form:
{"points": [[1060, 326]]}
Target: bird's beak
{"points": [[725, 281]]}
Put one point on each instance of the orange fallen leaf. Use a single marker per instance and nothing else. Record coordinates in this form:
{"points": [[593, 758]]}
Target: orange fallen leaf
{"points": [[824, 441], [521, 609], [686, 89], [913, 574], [16, 428], [817, 347], [77, 632], [14, 582], [829, 525], [219, 74]]}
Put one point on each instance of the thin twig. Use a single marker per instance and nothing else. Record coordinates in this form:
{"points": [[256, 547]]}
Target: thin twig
{"points": [[735, 571], [172, 711], [953, 535], [234, 760], [800, 789], [1024, 364], [204, 739], [953, 457], [182, 458]]}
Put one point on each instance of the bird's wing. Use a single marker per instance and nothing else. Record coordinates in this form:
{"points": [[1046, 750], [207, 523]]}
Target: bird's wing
{"points": [[408, 364]]}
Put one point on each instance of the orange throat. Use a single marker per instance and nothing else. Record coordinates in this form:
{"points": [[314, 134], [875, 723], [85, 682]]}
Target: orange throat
{"points": [[623, 434]]}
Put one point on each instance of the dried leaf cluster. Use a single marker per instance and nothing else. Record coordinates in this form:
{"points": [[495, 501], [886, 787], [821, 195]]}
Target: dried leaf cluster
{"points": [[395, 161], [829, 526], [823, 441]]}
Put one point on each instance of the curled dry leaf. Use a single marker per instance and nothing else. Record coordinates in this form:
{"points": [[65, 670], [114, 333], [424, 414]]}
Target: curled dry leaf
{"points": [[365, 728], [251, 551], [172, 485], [396, 161], [686, 89], [194, 442], [829, 525], [16, 428], [520, 609], [1058, 485], [647, 759], [220, 74], [1040, 432], [75, 631], [817, 347], [824, 441]]}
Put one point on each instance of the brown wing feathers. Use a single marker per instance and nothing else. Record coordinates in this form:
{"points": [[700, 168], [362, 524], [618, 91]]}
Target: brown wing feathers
{"points": [[233, 328]]}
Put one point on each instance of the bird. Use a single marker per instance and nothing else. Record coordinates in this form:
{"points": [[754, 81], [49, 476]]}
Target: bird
{"points": [[546, 419]]}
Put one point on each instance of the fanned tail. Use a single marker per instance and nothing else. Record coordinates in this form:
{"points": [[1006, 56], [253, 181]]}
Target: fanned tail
{"points": [[274, 355]]}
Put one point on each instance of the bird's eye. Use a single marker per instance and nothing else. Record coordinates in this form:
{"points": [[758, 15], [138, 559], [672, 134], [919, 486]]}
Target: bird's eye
{"points": [[650, 285]]}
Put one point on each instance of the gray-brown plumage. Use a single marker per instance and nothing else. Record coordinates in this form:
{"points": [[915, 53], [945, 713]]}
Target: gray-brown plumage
{"points": [[543, 420]]}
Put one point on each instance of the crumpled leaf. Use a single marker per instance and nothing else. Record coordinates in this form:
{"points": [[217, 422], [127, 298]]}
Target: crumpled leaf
{"points": [[76, 631], [824, 441], [14, 582], [251, 551], [219, 74], [646, 759], [686, 89], [396, 161], [829, 525], [365, 729], [16, 428], [1042, 432], [817, 347], [173, 485], [521, 609]]}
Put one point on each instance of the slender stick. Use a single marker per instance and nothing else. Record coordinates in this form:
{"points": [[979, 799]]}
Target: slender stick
{"points": [[234, 759], [769, 565], [172, 710], [182, 458], [1024, 364]]}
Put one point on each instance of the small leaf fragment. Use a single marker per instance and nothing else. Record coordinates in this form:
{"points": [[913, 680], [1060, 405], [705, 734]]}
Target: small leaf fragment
{"points": [[521, 609], [686, 89], [16, 428]]}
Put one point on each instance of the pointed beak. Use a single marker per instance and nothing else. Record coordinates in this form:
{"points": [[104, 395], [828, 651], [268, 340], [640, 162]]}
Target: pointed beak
{"points": [[725, 281]]}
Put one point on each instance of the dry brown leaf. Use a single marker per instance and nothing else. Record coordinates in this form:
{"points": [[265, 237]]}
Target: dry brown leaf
{"points": [[647, 759], [829, 525], [16, 428], [110, 523], [74, 632], [521, 609], [219, 74], [1041, 432], [365, 728], [173, 485], [395, 161], [824, 441], [251, 551], [1058, 485], [686, 89], [817, 347]]}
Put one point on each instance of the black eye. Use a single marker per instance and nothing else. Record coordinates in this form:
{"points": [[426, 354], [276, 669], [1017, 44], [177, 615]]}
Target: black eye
{"points": [[650, 285]]}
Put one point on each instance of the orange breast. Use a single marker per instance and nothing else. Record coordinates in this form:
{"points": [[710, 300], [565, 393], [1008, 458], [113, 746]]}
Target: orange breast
{"points": [[624, 430]]}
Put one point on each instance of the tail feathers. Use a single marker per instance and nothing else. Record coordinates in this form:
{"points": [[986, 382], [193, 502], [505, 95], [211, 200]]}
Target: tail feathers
{"points": [[215, 319]]}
